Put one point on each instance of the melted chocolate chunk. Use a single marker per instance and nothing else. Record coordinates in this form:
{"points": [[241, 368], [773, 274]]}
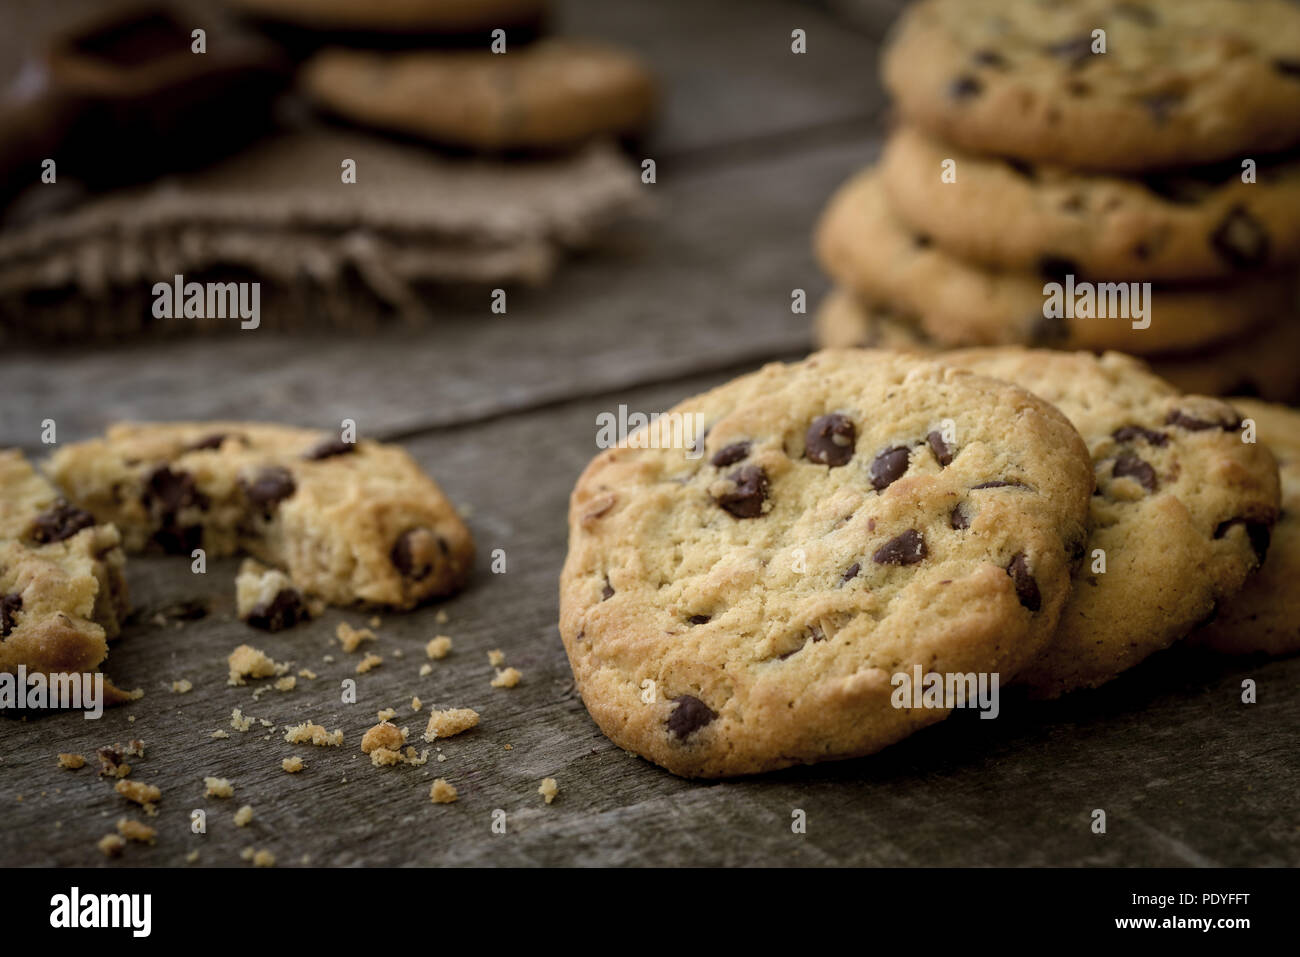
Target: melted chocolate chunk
{"points": [[964, 87], [10, 605], [730, 454], [850, 573], [1192, 424], [167, 492], [1026, 587], [699, 619], [888, 467], [1240, 240], [328, 448], [689, 716], [1259, 534], [830, 440], [905, 549], [957, 518], [208, 442], [941, 449], [412, 553], [270, 486], [750, 492], [1128, 465], [59, 522], [1057, 267], [1287, 67], [285, 610], [1129, 433]]}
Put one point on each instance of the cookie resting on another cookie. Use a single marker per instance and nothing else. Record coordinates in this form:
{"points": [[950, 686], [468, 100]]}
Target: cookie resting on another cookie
{"points": [[1182, 513], [847, 518], [348, 522], [62, 592], [1180, 82]]}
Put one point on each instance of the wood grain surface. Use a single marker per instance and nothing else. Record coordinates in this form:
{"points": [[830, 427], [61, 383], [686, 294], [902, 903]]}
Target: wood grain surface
{"points": [[502, 411]]}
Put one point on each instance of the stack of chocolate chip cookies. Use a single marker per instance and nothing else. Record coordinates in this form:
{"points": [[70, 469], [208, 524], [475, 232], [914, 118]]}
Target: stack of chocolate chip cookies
{"points": [[475, 75], [868, 522], [1084, 174]]}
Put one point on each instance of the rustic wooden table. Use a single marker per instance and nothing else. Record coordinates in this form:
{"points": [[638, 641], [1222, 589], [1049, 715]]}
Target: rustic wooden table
{"points": [[502, 410]]}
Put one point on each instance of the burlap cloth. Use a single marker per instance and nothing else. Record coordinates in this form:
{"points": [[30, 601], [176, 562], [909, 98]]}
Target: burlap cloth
{"points": [[326, 253]]}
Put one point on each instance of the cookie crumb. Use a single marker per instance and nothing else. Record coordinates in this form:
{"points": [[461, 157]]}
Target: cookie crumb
{"points": [[442, 792], [184, 686], [445, 724], [496, 657], [286, 684], [110, 762], [375, 621], [370, 661], [314, 734], [239, 722], [383, 735], [438, 647], [440, 617], [262, 858], [388, 714], [351, 638], [244, 816], [507, 678], [218, 788], [135, 748], [416, 703], [248, 662], [72, 761], [549, 788], [308, 674], [111, 845], [192, 857], [146, 795], [136, 831], [292, 765], [220, 734], [426, 669]]}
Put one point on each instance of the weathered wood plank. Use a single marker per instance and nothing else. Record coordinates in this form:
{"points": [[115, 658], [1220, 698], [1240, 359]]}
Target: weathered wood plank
{"points": [[1186, 773]]}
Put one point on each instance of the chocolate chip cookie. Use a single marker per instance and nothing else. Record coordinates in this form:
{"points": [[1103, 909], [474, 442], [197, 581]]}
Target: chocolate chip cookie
{"points": [[1182, 513], [745, 605], [555, 94], [63, 595], [1181, 82], [1263, 616], [864, 247], [348, 522], [1005, 215]]}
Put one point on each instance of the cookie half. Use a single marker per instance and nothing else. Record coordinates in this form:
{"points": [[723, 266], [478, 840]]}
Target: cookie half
{"points": [[864, 247], [1263, 616], [1182, 513], [745, 603], [349, 522], [1180, 82], [1179, 224], [554, 94]]}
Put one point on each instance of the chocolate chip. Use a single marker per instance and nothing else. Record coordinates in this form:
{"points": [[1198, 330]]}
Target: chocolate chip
{"points": [[1286, 67], [328, 448], [607, 592], [10, 605], [1026, 170], [746, 499], [110, 759], [1128, 465], [922, 241], [1192, 424], [689, 716], [1048, 330], [1056, 267], [888, 467], [941, 449], [991, 58], [830, 439], [964, 87], [212, 441], [730, 454], [1128, 433], [167, 492], [413, 553], [905, 549], [285, 610], [1240, 240], [1259, 534], [177, 539], [1026, 587], [850, 573], [271, 485], [999, 483], [1160, 105], [59, 522], [1075, 50], [957, 518], [698, 619]]}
